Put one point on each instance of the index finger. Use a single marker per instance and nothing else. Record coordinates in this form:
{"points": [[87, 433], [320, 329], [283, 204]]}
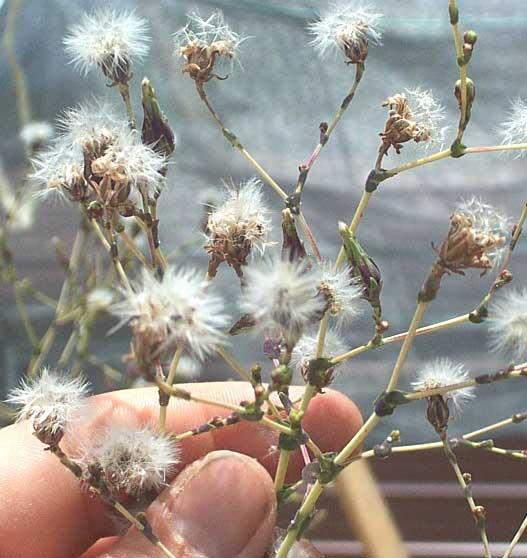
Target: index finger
{"points": [[46, 514]]}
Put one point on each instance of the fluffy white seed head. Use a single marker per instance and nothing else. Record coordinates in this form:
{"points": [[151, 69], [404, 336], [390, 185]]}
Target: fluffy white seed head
{"points": [[282, 297], [507, 324], [514, 129], [487, 222], [110, 40], [212, 34], [443, 372], [182, 308], [340, 292], [88, 126], [243, 215], [429, 114], [36, 133], [57, 173], [343, 27], [132, 460], [486, 219], [306, 348], [50, 401]]}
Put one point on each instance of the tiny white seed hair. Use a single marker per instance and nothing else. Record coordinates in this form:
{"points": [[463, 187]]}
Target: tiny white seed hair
{"points": [[507, 324], [444, 372]]}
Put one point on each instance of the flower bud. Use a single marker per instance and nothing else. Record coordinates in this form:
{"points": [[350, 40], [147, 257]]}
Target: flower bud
{"points": [[292, 247], [362, 267], [471, 93], [156, 131]]}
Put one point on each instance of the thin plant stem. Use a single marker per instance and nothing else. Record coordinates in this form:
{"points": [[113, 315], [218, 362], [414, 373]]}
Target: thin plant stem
{"points": [[124, 90], [169, 381], [494, 148], [131, 245], [445, 154], [519, 371], [281, 469], [235, 142], [407, 343], [419, 162], [19, 80], [518, 228], [187, 396], [477, 511], [24, 316], [47, 340], [446, 324], [452, 4], [105, 368], [109, 247], [68, 350], [301, 516], [516, 538], [306, 168], [234, 364]]}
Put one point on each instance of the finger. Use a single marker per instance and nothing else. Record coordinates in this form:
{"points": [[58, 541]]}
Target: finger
{"points": [[45, 512], [222, 506]]}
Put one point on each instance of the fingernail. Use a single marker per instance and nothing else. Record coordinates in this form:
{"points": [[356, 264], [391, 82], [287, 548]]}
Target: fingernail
{"points": [[222, 505]]}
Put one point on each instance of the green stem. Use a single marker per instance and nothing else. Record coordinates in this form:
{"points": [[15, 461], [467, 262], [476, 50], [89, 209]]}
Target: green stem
{"points": [[476, 511], [169, 382], [305, 169], [408, 340], [281, 470]]}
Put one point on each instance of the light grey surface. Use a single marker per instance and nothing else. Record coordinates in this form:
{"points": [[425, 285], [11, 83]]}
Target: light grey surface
{"points": [[275, 104]]}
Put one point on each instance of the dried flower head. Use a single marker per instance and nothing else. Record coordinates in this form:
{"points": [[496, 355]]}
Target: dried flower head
{"points": [[110, 40], [347, 29], [281, 297], [306, 349], [476, 237], [340, 292], [413, 115], [514, 129], [507, 324], [443, 372], [181, 308], [127, 167], [36, 134], [136, 461], [202, 42], [51, 402], [238, 225]]}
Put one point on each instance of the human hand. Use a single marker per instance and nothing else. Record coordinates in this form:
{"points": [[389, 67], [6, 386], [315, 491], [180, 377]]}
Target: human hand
{"points": [[222, 505]]}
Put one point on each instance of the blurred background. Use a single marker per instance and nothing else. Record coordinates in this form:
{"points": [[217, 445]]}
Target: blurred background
{"points": [[275, 102]]}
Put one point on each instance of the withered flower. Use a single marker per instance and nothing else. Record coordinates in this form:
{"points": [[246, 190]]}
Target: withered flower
{"points": [[202, 42], [475, 239], [414, 115]]}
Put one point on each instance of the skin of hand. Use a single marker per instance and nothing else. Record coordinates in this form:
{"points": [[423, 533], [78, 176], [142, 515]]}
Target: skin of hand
{"points": [[221, 504]]}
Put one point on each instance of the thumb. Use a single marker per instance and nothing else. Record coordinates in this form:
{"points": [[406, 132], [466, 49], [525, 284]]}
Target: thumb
{"points": [[222, 506]]}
